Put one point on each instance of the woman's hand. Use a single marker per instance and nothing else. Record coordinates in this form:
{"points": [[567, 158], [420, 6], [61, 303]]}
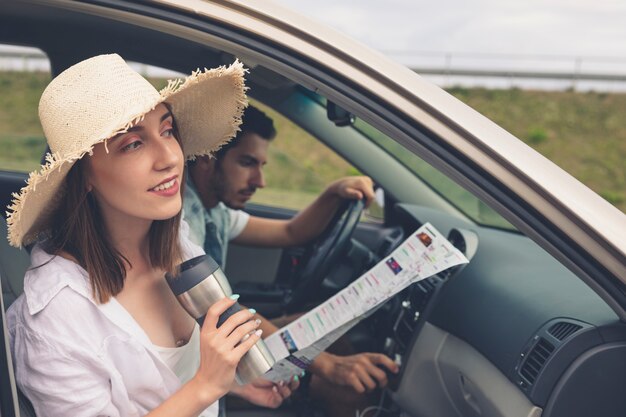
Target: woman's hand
{"points": [[266, 393], [222, 348]]}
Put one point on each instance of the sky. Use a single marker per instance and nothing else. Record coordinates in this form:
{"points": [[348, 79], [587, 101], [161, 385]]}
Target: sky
{"points": [[563, 27], [555, 35]]}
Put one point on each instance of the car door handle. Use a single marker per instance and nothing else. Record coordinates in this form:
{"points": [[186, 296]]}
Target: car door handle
{"points": [[468, 388]]}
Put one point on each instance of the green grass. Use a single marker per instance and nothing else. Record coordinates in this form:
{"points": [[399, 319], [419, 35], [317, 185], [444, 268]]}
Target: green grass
{"points": [[291, 199], [585, 133], [22, 141]]}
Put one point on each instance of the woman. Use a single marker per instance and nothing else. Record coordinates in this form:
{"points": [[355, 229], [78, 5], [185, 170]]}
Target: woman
{"points": [[97, 330]]}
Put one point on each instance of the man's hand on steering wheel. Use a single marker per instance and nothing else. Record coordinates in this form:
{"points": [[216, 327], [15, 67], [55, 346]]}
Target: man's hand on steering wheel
{"points": [[355, 194], [354, 188]]}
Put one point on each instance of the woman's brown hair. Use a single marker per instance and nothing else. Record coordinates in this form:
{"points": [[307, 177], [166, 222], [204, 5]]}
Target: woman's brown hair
{"points": [[78, 229]]}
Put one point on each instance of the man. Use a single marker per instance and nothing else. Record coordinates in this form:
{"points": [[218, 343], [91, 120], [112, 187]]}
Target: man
{"points": [[217, 189]]}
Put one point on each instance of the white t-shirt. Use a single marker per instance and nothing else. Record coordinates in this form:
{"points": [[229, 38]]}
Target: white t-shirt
{"points": [[185, 361], [75, 357], [238, 221]]}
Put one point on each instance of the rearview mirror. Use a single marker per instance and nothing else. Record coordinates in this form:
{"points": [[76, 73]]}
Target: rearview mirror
{"points": [[338, 115]]}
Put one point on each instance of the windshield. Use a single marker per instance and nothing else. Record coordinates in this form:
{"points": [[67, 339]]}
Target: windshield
{"points": [[462, 199]]}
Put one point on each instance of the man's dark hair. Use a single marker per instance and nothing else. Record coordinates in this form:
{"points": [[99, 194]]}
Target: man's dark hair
{"points": [[253, 121]]}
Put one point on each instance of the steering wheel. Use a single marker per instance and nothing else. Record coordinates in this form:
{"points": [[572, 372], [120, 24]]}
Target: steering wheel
{"points": [[325, 252]]}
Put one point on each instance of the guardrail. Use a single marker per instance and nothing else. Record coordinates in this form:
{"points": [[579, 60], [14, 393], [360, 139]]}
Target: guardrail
{"points": [[38, 61], [570, 69], [518, 74]]}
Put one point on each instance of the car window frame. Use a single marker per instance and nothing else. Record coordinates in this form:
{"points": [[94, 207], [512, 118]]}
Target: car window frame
{"points": [[443, 131]]}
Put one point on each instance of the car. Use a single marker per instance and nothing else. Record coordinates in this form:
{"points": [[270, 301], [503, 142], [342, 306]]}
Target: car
{"points": [[533, 325]]}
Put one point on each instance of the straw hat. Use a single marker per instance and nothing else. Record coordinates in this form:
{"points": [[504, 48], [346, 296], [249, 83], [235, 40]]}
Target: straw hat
{"points": [[101, 97]]}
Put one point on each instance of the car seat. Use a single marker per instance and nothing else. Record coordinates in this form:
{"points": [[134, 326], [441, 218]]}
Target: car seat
{"points": [[13, 265]]}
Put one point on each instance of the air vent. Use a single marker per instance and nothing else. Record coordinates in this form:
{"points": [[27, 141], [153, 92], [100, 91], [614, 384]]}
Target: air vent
{"points": [[535, 360], [563, 329], [428, 285]]}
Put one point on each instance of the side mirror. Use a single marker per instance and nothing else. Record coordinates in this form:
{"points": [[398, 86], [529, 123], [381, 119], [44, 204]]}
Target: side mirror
{"points": [[339, 116]]}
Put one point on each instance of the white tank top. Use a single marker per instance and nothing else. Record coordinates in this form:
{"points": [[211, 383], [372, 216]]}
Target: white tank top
{"points": [[184, 362]]}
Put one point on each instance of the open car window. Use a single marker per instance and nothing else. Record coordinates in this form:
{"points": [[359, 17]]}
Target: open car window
{"points": [[22, 81]]}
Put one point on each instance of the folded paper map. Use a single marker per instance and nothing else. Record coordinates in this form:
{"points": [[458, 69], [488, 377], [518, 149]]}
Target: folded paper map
{"points": [[423, 254]]}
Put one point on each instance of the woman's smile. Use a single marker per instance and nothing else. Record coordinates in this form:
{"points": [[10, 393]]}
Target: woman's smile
{"points": [[167, 188]]}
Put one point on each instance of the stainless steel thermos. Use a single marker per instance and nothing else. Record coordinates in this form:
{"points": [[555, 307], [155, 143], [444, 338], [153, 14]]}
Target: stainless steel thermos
{"points": [[199, 283]]}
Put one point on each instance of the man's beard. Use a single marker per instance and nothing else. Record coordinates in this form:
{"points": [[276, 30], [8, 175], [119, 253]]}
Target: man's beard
{"points": [[221, 191], [246, 193], [220, 187]]}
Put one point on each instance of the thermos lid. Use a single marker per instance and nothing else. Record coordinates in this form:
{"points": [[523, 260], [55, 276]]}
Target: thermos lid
{"points": [[191, 273]]}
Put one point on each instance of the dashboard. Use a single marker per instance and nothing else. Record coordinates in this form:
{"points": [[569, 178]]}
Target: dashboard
{"points": [[513, 333]]}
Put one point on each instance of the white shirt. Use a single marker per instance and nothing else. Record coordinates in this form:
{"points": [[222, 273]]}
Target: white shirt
{"points": [[75, 357]]}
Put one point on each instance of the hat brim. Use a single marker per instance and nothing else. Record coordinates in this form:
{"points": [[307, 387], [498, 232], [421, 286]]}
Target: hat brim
{"points": [[207, 107]]}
